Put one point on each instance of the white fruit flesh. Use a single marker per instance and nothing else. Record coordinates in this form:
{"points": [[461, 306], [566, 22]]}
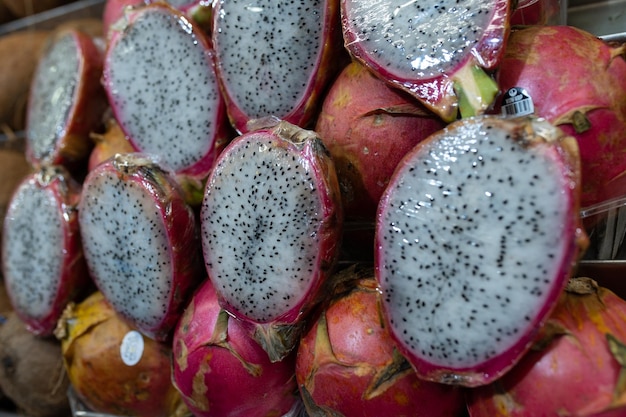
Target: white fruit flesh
{"points": [[126, 247], [417, 39], [260, 222], [267, 52], [163, 88], [52, 95], [473, 234], [33, 250]]}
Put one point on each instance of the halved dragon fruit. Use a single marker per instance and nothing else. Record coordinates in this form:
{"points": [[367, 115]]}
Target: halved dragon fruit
{"points": [[435, 50], [140, 241], [221, 371], [66, 100], [271, 222], [162, 87], [476, 236], [276, 57], [42, 257]]}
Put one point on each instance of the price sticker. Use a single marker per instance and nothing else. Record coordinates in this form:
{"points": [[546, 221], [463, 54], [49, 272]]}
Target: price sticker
{"points": [[131, 349], [517, 102]]}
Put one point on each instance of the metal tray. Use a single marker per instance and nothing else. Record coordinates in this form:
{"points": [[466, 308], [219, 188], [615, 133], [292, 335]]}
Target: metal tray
{"points": [[606, 19], [52, 18]]}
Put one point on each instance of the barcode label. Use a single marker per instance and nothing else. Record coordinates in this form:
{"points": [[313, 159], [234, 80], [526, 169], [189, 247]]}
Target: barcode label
{"points": [[516, 102]]}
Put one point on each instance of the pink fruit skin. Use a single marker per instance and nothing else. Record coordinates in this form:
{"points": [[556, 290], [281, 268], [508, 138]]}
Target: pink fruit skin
{"points": [[330, 60], [436, 93], [574, 375], [564, 70], [223, 131], [74, 280], [74, 145], [180, 221], [368, 127], [566, 159], [348, 350], [212, 379]]}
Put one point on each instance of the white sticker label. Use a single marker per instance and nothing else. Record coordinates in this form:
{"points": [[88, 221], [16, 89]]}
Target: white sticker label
{"points": [[132, 348], [516, 102]]}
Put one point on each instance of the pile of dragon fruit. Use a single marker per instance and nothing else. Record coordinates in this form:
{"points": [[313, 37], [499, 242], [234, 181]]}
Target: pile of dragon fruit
{"points": [[323, 208]]}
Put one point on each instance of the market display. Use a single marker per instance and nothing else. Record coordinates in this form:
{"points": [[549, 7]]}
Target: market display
{"points": [[311, 208]]}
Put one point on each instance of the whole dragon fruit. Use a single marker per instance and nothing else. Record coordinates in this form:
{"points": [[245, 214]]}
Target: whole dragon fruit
{"points": [[140, 241], [347, 363], [576, 366], [271, 225], [42, 258], [437, 51], [66, 101], [476, 236], [276, 57], [162, 87], [577, 82], [221, 371]]}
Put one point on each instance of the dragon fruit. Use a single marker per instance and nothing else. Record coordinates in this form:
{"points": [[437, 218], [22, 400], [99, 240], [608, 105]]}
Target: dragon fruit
{"points": [[438, 51], [111, 366], [42, 257], [66, 101], [140, 240], [221, 371], [476, 236], [271, 222], [576, 367], [577, 82], [275, 58], [347, 363], [162, 87]]}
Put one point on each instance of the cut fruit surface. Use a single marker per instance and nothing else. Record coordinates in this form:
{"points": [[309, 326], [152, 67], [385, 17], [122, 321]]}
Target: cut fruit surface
{"points": [[476, 237]]}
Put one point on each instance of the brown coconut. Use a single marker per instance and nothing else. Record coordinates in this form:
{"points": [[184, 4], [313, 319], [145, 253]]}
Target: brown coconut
{"points": [[32, 375], [5, 14], [23, 8], [20, 52]]}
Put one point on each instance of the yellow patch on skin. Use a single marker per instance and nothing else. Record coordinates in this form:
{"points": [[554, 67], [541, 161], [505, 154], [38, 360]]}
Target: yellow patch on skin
{"points": [[401, 398], [199, 398], [182, 355]]}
